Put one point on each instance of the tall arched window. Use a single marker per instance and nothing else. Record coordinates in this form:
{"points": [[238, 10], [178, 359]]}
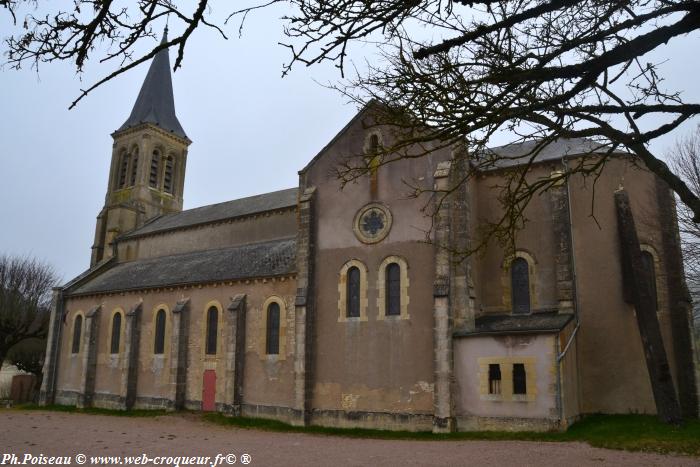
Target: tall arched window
{"points": [[520, 285], [212, 330], [123, 169], [353, 292], [168, 175], [134, 166], [155, 169], [159, 341], [77, 331], [393, 289], [648, 262], [116, 333], [272, 342]]}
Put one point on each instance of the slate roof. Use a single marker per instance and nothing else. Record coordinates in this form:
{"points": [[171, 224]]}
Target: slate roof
{"points": [[218, 212], [155, 103], [549, 322], [512, 155], [265, 259]]}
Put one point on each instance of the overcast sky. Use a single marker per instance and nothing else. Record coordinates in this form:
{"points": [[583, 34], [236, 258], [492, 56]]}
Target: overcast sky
{"points": [[251, 130]]}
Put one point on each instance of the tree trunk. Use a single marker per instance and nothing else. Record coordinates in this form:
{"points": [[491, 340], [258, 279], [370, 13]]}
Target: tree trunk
{"points": [[640, 292], [3, 356]]}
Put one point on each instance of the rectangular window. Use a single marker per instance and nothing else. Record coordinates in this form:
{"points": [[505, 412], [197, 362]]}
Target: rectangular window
{"points": [[519, 379], [494, 378]]}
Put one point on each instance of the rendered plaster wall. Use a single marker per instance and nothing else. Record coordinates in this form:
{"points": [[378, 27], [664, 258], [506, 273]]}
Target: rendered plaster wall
{"points": [[472, 356], [612, 369], [612, 372], [536, 241], [264, 227], [374, 363]]}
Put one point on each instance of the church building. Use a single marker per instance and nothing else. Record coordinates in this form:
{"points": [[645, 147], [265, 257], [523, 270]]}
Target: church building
{"points": [[325, 305]]}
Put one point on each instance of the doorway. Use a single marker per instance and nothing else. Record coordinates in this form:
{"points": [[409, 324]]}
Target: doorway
{"points": [[209, 391]]}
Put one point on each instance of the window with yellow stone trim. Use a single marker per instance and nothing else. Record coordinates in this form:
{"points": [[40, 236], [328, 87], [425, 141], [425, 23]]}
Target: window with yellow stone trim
{"points": [[383, 288], [264, 332], [116, 331], [360, 299], [77, 334]]}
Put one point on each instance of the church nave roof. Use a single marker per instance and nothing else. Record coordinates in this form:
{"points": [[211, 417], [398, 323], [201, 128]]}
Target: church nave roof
{"points": [[218, 212], [267, 259]]}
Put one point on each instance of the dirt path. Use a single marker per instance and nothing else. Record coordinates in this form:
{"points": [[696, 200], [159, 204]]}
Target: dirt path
{"points": [[66, 434]]}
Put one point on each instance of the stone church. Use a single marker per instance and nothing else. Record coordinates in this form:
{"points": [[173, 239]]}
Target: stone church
{"points": [[327, 306]]}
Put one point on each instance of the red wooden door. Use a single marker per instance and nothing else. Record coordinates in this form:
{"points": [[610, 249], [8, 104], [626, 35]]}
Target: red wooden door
{"points": [[209, 391]]}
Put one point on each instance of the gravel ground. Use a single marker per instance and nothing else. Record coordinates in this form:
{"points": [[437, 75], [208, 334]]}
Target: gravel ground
{"points": [[68, 434]]}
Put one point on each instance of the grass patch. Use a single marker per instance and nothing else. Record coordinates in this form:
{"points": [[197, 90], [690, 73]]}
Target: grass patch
{"points": [[93, 411], [626, 432], [636, 433]]}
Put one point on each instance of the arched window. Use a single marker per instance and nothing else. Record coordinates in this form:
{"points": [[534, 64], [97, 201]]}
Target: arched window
{"points": [[155, 169], [159, 342], [77, 331], [272, 342], [353, 292], [212, 330], [168, 175], [116, 332], [134, 166], [393, 289], [648, 263], [373, 145], [520, 285], [123, 169]]}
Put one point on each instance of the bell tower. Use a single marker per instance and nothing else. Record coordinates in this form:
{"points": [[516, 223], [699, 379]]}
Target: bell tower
{"points": [[149, 157]]}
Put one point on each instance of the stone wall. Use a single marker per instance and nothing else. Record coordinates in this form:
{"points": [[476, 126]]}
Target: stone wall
{"points": [[155, 379]]}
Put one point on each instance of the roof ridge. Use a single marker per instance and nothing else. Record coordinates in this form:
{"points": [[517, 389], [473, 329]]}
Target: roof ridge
{"points": [[234, 200], [209, 250], [219, 212]]}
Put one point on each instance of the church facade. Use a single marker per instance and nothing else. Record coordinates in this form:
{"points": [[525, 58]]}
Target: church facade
{"points": [[327, 306]]}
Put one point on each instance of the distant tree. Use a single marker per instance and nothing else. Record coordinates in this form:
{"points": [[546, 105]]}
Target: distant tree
{"points": [[28, 356], [685, 161], [458, 72], [25, 300]]}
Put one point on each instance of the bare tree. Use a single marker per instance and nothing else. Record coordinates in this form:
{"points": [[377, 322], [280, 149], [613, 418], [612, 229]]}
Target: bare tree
{"points": [[25, 299], [685, 161], [533, 69], [538, 70]]}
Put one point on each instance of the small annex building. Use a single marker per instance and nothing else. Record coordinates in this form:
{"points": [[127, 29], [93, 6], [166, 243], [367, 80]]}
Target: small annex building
{"points": [[316, 305]]}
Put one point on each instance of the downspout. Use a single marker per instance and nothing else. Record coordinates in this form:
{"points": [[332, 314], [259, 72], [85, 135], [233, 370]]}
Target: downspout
{"points": [[574, 284], [574, 281]]}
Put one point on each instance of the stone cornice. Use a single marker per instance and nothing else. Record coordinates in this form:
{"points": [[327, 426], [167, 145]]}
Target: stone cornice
{"points": [[188, 286], [155, 128]]}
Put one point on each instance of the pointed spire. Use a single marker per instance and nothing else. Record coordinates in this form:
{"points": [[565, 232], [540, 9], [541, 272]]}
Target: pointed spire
{"points": [[155, 103]]}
